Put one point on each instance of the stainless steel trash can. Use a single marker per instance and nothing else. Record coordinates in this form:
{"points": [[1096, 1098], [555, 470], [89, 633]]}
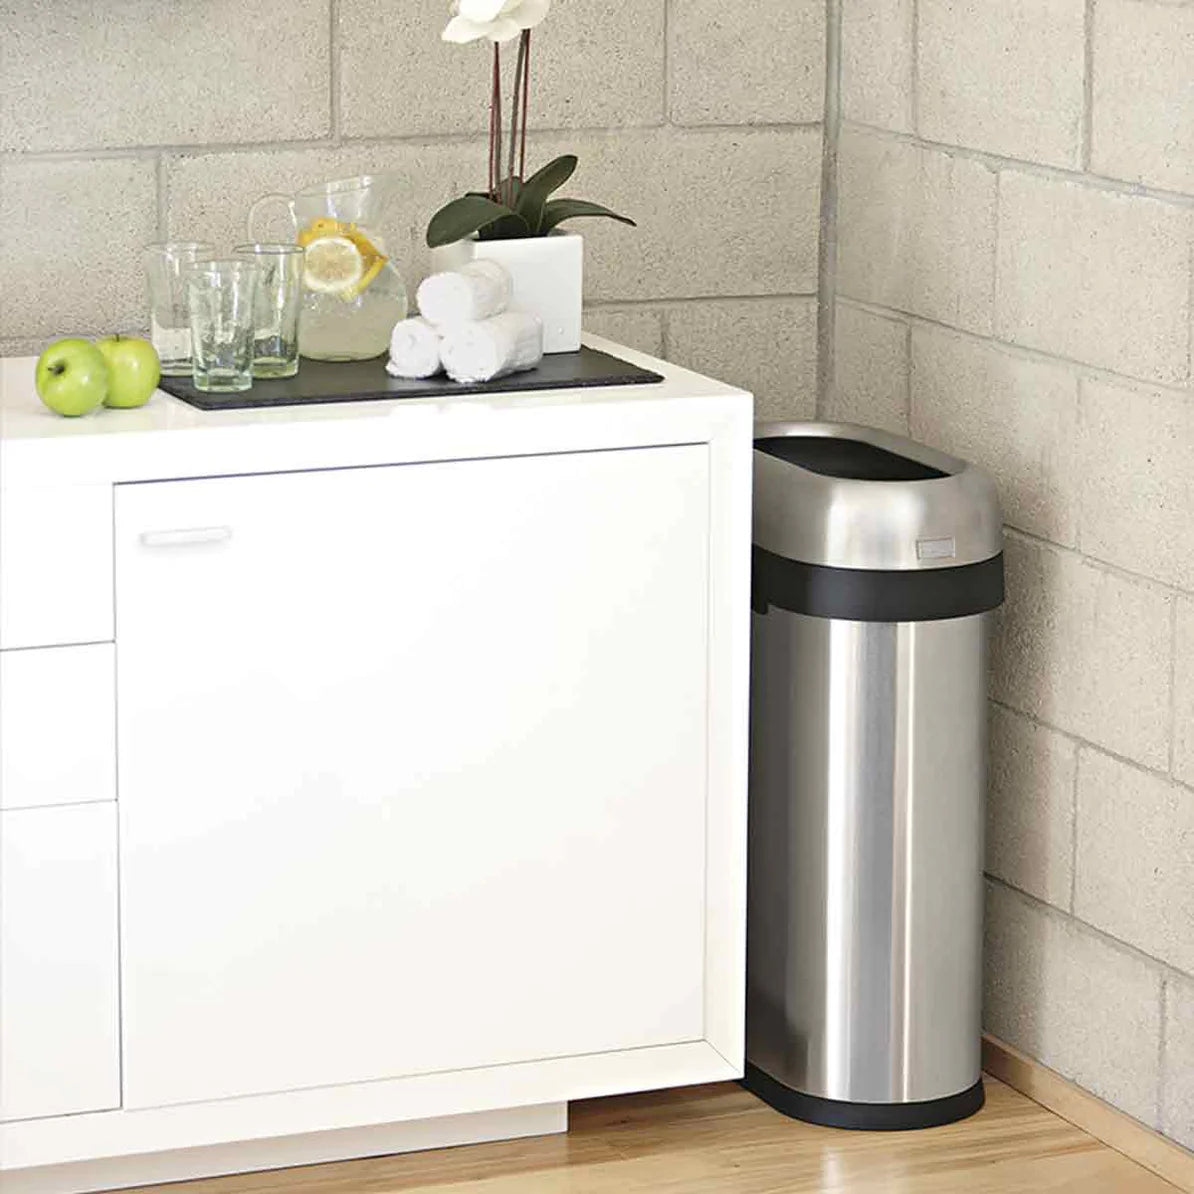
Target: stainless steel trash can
{"points": [[876, 563]]}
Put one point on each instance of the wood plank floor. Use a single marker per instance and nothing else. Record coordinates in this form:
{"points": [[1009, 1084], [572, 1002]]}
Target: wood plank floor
{"points": [[714, 1139]]}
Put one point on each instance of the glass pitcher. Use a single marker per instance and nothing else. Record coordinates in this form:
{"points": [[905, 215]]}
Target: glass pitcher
{"points": [[352, 293]]}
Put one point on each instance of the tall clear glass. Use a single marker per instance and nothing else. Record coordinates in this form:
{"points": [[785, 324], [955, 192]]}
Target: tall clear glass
{"points": [[169, 323], [221, 300], [279, 299]]}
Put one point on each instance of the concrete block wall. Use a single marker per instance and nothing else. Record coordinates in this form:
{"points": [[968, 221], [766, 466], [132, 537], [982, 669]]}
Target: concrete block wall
{"points": [[1014, 208], [134, 120]]}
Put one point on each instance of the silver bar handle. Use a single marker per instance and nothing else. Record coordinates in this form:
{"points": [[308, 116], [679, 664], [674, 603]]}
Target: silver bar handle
{"points": [[186, 536]]}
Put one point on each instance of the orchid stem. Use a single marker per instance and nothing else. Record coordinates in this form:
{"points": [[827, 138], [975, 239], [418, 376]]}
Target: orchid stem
{"points": [[497, 119], [519, 68], [492, 187], [526, 92]]}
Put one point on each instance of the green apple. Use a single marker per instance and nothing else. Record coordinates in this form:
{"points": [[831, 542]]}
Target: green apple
{"points": [[72, 377], [133, 370]]}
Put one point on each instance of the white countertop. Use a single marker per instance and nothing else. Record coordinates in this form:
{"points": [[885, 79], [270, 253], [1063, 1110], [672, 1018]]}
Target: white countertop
{"points": [[168, 438]]}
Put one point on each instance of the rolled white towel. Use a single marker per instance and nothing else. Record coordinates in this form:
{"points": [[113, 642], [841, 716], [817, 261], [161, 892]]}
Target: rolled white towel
{"points": [[414, 350], [507, 343], [476, 291]]}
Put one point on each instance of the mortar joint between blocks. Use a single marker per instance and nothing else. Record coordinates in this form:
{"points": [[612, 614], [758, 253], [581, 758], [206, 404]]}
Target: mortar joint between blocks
{"points": [[1172, 728], [1075, 924], [334, 71], [1086, 134], [667, 62], [665, 333], [1086, 744], [1079, 748], [161, 196], [1190, 311], [996, 200], [994, 161], [827, 232], [1162, 1047], [914, 68], [908, 389], [1083, 369]]}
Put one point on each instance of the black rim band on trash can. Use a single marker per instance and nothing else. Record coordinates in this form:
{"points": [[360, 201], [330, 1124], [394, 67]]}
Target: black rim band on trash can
{"points": [[865, 595], [863, 1117]]}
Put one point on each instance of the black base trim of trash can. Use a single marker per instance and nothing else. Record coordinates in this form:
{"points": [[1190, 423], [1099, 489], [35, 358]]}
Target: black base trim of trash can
{"points": [[870, 1117], [865, 595]]}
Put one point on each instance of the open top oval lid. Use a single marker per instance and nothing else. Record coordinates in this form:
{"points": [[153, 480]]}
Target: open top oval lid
{"points": [[845, 496], [848, 459]]}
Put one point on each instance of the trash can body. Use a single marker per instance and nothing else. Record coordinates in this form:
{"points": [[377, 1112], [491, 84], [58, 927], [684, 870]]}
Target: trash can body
{"points": [[867, 781]]}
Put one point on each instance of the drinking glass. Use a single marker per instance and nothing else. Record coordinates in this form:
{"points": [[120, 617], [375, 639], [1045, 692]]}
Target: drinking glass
{"points": [[221, 296], [276, 312], [169, 323]]}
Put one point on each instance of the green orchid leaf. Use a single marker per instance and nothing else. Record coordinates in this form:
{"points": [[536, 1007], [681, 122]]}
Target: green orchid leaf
{"points": [[506, 195], [548, 179], [559, 210], [464, 216], [511, 227], [537, 189]]}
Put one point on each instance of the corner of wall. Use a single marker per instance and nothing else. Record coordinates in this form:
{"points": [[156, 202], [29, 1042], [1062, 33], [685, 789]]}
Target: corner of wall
{"points": [[827, 244]]}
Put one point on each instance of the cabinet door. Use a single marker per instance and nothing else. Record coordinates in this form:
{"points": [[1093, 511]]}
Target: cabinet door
{"points": [[59, 1026], [412, 768]]}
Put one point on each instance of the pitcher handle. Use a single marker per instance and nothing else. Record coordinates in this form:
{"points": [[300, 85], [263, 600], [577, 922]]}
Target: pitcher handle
{"points": [[265, 201]]}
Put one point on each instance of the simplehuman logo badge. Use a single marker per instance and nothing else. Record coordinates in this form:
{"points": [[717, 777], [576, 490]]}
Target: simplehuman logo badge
{"points": [[936, 549]]}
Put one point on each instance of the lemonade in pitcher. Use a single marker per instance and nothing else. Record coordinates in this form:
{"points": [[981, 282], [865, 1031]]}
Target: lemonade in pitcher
{"points": [[353, 294]]}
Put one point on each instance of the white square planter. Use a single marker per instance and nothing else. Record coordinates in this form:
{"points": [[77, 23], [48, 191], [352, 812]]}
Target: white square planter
{"points": [[548, 277]]}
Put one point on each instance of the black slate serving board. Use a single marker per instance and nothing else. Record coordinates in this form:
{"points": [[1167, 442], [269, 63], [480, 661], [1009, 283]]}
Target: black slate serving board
{"points": [[363, 381]]}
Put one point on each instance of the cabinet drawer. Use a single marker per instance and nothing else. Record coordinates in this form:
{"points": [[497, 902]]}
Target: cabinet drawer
{"points": [[55, 565], [57, 726], [59, 1026]]}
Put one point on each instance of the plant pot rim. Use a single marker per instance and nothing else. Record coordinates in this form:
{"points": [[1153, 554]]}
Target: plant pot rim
{"points": [[559, 233]]}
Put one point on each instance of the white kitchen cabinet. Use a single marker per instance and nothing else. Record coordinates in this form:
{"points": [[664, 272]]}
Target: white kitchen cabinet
{"points": [[59, 1025], [57, 726], [55, 564], [412, 768], [430, 757]]}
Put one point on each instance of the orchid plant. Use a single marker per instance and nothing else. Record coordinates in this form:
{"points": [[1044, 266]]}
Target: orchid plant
{"points": [[512, 205]]}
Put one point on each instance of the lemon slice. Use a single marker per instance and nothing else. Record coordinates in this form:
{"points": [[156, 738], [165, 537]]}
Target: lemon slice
{"points": [[333, 265], [319, 227], [372, 269], [368, 249]]}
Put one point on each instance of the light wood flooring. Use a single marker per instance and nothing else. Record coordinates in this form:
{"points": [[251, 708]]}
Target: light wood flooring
{"points": [[714, 1139]]}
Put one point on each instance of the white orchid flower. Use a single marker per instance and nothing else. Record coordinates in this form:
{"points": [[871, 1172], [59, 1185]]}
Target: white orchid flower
{"points": [[498, 20]]}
